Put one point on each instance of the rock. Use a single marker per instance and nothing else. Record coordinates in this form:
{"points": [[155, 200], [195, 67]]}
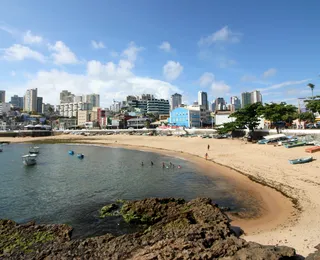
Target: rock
{"points": [[175, 229], [109, 210], [315, 255]]}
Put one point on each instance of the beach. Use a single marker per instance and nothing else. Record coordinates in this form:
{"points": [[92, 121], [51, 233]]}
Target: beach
{"points": [[290, 209]]}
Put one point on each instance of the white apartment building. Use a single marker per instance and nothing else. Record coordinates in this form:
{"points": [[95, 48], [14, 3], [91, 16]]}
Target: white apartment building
{"points": [[256, 97], [30, 100], [71, 109]]}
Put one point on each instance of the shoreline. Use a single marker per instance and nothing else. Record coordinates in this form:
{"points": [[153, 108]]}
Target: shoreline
{"points": [[281, 212]]}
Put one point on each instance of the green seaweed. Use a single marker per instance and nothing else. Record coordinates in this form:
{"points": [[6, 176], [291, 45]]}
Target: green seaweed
{"points": [[22, 242], [109, 210]]}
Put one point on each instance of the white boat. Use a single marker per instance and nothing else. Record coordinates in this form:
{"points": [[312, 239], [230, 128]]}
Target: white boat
{"points": [[34, 150], [29, 159]]}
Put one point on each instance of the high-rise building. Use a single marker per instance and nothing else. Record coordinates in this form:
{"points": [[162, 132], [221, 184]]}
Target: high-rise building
{"points": [[77, 99], [158, 106], [39, 105], [235, 103], [30, 100], [220, 104], [256, 97], [2, 96], [66, 97], [146, 97], [245, 99], [203, 99], [176, 101], [17, 101], [93, 99]]}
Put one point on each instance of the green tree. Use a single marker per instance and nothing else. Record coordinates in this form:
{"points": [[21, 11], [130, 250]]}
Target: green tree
{"points": [[311, 86], [247, 117], [147, 124], [313, 104], [306, 116], [277, 113]]}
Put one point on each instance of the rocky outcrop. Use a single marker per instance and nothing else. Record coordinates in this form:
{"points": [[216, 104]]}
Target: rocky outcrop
{"points": [[175, 229]]}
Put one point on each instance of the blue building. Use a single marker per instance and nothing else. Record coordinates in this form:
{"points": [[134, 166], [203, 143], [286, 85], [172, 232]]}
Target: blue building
{"points": [[184, 117]]}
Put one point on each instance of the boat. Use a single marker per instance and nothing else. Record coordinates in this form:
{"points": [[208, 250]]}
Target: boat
{"points": [[29, 159], [295, 145], [313, 149], [34, 150], [1, 150], [71, 152], [270, 139], [301, 160], [80, 155]]}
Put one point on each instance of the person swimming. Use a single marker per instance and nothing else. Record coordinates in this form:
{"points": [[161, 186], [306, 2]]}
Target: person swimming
{"points": [[179, 166], [163, 165], [142, 164], [151, 163]]}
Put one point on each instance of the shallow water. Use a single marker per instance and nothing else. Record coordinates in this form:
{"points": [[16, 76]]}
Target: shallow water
{"points": [[64, 189]]}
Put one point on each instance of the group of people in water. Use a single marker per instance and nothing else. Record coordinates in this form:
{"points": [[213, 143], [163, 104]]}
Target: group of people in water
{"points": [[171, 165]]}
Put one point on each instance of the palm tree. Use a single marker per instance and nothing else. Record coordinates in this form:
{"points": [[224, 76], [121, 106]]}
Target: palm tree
{"points": [[311, 86]]}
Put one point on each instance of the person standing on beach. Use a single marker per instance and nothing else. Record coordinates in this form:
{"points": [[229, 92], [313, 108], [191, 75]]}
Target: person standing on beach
{"points": [[208, 147], [206, 156]]}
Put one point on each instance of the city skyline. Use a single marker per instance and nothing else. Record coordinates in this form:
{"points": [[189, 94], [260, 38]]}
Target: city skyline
{"points": [[227, 55]]}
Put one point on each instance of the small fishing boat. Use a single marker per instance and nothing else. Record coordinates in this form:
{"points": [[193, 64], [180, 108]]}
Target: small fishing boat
{"points": [[295, 145], [80, 155], [301, 160], [34, 150], [71, 152], [29, 159]]}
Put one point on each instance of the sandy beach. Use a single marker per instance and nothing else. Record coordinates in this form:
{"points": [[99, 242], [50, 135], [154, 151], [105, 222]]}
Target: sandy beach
{"points": [[290, 220]]}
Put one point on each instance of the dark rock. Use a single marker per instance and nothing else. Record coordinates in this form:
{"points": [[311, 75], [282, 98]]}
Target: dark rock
{"points": [[175, 229]]}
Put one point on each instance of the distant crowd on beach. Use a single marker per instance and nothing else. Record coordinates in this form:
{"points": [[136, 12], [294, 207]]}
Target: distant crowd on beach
{"points": [[171, 165]]}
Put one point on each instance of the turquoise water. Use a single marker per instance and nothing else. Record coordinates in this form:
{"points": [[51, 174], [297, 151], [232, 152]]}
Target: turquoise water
{"points": [[64, 189]]}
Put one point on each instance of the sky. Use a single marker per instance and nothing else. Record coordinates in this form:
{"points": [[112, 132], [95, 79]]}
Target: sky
{"points": [[119, 48]]}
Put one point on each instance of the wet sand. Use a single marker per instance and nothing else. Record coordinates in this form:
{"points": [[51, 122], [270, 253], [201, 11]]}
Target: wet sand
{"points": [[281, 221]]}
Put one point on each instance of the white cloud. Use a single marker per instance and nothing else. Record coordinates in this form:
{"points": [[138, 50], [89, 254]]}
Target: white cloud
{"points": [[206, 79], [18, 52], [29, 38], [97, 45], [13, 73], [62, 54], [110, 80], [131, 52], [248, 78], [269, 73], [220, 88], [285, 84], [224, 63], [172, 70], [165, 46], [222, 35]]}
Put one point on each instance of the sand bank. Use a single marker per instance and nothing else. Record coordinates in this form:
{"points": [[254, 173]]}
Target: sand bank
{"points": [[280, 223]]}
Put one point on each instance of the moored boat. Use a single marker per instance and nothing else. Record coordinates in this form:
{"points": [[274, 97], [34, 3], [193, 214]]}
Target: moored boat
{"points": [[29, 159], [301, 160], [71, 152], [295, 145], [34, 150]]}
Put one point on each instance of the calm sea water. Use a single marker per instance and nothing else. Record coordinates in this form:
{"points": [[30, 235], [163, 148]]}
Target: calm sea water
{"points": [[64, 189]]}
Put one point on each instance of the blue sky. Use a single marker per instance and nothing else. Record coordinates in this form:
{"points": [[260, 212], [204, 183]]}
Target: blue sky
{"points": [[117, 48]]}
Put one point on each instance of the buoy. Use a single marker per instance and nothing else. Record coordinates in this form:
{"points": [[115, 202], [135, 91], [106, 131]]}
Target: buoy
{"points": [[80, 156]]}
